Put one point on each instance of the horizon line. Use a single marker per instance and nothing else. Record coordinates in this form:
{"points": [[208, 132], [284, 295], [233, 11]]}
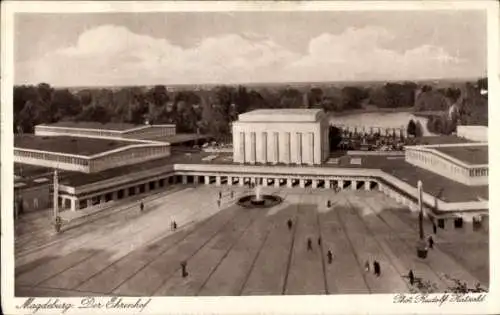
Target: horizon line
{"points": [[260, 83]]}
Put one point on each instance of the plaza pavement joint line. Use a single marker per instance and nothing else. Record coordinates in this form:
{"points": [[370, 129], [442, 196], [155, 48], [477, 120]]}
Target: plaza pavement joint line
{"points": [[227, 253], [289, 262], [352, 249], [389, 258]]}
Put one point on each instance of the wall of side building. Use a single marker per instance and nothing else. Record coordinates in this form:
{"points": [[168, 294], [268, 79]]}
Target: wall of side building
{"points": [[280, 142], [473, 133], [139, 133], [473, 175], [107, 160]]}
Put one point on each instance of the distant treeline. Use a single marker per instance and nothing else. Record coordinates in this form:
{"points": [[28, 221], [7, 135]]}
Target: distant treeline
{"points": [[211, 111]]}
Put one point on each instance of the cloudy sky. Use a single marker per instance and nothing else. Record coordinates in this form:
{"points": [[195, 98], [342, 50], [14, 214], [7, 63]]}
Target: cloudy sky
{"points": [[242, 47]]}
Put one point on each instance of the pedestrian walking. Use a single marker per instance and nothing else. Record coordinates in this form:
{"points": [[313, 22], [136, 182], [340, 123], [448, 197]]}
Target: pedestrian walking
{"points": [[289, 223], [142, 206], [411, 276], [220, 194], [367, 266], [329, 255], [376, 268], [309, 244], [184, 269], [328, 203], [431, 242], [174, 225], [319, 241]]}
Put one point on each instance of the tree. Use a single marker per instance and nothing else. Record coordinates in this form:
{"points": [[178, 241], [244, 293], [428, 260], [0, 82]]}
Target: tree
{"points": [[158, 95], [352, 97], [335, 137], [418, 129], [94, 113], [290, 98], [65, 104], [411, 129], [482, 84]]}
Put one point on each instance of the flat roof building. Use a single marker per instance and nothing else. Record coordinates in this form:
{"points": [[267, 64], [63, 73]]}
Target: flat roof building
{"points": [[289, 136], [87, 155], [466, 163], [107, 130]]}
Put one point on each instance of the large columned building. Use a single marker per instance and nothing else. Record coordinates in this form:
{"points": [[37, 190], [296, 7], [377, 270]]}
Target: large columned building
{"points": [[289, 136]]}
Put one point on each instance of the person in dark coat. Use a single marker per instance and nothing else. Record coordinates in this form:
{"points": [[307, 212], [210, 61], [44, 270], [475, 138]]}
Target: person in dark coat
{"points": [[220, 194], [142, 206], [174, 225], [319, 241], [431, 242], [184, 267], [411, 276], [309, 244], [329, 255], [289, 223], [376, 268]]}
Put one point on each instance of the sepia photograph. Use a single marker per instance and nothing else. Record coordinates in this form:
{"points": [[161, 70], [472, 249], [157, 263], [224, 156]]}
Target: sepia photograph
{"points": [[254, 152]]}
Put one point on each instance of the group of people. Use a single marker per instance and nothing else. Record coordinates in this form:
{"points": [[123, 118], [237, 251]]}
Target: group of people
{"points": [[376, 267], [329, 254], [219, 201]]}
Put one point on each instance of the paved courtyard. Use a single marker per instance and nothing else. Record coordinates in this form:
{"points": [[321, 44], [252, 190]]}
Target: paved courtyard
{"points": [[236, 251]]}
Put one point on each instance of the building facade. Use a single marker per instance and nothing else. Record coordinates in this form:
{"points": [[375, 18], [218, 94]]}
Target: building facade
{"points": [[289, 136], [95, 130], [78, 160], [432, 158], [473, 133]]}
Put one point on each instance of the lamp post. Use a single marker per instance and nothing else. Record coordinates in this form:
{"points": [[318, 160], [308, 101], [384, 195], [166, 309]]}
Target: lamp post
{"points": [[57, 218], [421, 244]]}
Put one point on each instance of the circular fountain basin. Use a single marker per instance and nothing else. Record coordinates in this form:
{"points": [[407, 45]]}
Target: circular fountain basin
{"points": [[265, 201]]}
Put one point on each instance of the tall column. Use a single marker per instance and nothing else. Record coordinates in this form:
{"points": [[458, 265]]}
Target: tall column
{"points": [[341, 184], [289, 183], [89, 202], [287, 148], [367, 185], [253, 147], [299, 148], [102, 198], [276, 147], [264, 147], [327, 183], [73, 204], [196, 179], [311, 147], [276, 182], [302, 183], [207, 180], [184, 179], [230, 180], [264, 182], [241, 182], [314, 183], [242, 147], [354, 184], [217, 180]]}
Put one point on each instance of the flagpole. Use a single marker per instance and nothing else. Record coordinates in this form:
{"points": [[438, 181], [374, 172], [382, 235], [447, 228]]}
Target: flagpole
{"points": [[56, 195]]}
